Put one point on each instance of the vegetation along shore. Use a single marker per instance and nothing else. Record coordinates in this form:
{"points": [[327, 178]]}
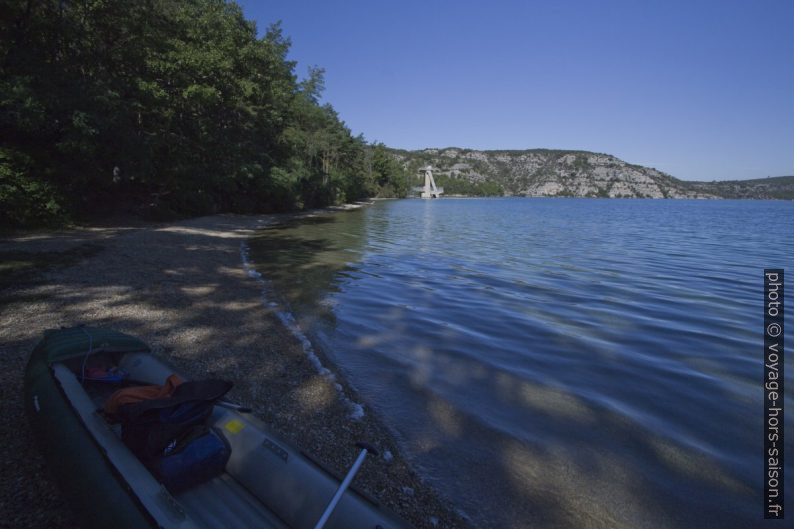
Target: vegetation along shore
{"points": [[134, 116], [175, 109]]}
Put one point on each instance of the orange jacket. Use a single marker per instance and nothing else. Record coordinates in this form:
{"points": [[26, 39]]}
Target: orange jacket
{"points": [[139, 393]]}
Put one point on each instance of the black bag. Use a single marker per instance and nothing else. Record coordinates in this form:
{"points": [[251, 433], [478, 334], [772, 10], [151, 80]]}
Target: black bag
{"points": [[149, 427]]}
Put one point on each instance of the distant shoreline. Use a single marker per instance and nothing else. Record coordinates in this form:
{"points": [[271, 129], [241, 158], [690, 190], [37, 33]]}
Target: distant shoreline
{"points": [[595, 198], [570, 172]]}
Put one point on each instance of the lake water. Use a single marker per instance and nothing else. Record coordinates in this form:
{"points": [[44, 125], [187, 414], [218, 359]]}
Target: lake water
{"points": [[553, 362]]}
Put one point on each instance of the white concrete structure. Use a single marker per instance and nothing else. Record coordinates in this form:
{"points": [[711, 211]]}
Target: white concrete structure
{"points": [[429, 190]]}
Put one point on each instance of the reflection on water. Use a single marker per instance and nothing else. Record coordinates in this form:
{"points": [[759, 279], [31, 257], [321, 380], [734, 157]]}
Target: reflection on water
{"points": [[304, 258], [548, 362]]}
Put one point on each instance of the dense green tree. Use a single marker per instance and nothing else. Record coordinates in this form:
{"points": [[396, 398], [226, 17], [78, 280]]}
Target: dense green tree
{"points": [[390, 177], [164, 106]]}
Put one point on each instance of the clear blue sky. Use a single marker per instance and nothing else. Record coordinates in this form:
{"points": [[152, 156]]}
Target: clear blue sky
{"points": [[701, 90]]}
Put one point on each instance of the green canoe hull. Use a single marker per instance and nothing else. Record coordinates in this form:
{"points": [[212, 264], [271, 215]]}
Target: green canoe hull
{"points": [[99, 497], [266, 483]]}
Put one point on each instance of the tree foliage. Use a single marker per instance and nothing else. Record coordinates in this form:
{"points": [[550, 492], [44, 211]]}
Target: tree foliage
{"points": [[389, 176], [462, 186], [173, 107]]}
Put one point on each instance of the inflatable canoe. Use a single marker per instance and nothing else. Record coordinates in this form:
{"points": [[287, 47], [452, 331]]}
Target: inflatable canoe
{"points": [[266, 482]]}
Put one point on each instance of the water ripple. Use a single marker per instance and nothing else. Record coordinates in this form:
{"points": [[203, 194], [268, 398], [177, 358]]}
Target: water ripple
{"points": [[596, 358]]}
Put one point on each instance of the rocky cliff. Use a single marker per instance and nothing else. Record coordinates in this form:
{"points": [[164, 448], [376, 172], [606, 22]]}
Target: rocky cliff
{"points": [[544, 172]]}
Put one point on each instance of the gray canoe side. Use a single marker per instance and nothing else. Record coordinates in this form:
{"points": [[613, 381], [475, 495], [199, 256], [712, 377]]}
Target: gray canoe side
{"points": [[286, 482]]}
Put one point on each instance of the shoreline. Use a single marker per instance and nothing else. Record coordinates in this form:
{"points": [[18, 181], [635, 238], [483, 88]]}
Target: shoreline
{"points": [[184, 288]]}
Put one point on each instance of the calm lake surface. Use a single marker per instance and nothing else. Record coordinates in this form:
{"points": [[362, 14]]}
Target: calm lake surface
{"points": [[553, 362]]}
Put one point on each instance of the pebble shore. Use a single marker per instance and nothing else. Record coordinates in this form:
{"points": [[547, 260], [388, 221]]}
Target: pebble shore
{"points": [[183, 288]]}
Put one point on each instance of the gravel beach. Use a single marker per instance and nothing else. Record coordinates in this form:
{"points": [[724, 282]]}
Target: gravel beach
{"points": [[183, 288]]}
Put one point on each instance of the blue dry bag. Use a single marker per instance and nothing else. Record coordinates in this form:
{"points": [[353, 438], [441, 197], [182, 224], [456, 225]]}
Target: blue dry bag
{"points": [[199, 456]]}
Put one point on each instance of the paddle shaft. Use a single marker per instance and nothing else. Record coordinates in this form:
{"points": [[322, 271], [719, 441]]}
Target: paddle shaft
{"points": [[233, 406], [341, 490]]}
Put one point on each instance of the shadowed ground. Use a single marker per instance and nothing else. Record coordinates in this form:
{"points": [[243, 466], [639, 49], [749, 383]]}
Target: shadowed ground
{"points": [[182, 288]]}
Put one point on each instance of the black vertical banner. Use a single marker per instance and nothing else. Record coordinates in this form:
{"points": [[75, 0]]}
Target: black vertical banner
{"points": [[773, 394]]}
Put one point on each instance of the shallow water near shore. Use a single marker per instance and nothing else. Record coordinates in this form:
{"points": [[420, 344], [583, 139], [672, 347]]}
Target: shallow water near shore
{"points": [[552, 362]]}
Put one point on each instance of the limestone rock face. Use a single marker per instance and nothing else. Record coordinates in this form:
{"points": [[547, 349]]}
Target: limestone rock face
{"points": [[544, 172]]}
